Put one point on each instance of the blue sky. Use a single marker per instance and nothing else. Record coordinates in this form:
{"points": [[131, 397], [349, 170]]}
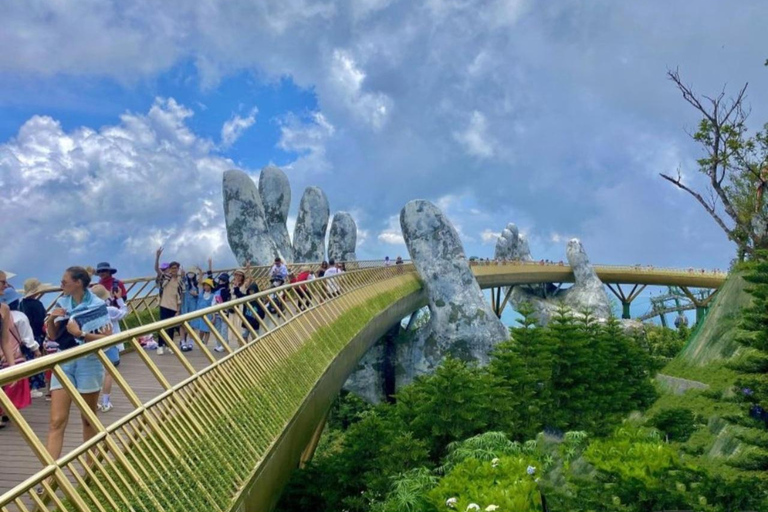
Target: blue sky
{"points": [[118, 118]]}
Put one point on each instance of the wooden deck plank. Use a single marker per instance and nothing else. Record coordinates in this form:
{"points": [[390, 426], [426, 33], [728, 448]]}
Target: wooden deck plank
{"points": [[17, 461]]}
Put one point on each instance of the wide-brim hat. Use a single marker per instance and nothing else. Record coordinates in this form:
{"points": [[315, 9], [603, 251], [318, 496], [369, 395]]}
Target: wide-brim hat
{"points": [[194, 269], [9, 275], [239, 271], [105, 266], [33, 286]]}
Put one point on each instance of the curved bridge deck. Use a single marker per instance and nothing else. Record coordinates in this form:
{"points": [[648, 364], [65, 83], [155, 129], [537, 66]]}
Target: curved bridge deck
{"points": [[206, 431]]}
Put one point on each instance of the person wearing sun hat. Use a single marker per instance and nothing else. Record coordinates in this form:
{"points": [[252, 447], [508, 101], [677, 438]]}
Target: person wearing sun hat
{"points": [[205, 298], [106, 279]]}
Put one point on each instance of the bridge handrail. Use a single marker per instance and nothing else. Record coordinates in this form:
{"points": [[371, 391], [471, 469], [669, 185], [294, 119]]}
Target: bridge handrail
{"points": [[322, 299], [604, 267], [142, 292]]}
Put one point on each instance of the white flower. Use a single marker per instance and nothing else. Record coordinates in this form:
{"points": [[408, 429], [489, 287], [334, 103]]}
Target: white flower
{"points": [[494, 463], [473, 506], [451, 502], [491, 508], [531, 470]]}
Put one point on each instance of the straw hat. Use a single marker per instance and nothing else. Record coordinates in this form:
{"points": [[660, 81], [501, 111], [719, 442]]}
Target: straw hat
{"points": [[33, 286]]}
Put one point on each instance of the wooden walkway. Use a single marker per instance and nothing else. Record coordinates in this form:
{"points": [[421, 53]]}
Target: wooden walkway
{"points": [[17, 462]]}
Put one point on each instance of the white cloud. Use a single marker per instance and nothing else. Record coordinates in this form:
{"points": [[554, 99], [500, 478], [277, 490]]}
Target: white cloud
{"points": [[489, 236], [346, 79], [475, 138], [392, 234], [145, 181], [236, 126], [308, 137]]}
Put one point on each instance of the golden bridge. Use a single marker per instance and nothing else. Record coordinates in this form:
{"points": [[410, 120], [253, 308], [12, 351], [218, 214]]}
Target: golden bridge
{"points": [[202, 431]]}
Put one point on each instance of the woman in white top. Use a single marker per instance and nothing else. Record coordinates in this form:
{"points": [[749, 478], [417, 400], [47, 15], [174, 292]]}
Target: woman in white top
{"points": [[117, 310]]}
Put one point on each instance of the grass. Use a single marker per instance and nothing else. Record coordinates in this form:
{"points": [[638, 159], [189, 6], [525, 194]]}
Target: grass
{"points": [[715, 339], [217, 458]]}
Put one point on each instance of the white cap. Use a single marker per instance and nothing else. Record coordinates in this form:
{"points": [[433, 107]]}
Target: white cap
{"points": [[9, 275]]}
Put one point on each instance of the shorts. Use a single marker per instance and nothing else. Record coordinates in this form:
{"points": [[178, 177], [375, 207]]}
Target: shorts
{"points": [[86, 374], [113, 354]]}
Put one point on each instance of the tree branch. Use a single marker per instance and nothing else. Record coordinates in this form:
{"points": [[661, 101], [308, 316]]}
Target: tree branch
{"points": [[678, 183]]}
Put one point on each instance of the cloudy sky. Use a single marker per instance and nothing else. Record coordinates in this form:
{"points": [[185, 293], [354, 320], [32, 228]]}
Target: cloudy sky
{"points": [[118, 118]]}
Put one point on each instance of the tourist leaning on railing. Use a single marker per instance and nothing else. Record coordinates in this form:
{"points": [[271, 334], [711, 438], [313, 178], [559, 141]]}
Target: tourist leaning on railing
{"points": [[78, 317]]}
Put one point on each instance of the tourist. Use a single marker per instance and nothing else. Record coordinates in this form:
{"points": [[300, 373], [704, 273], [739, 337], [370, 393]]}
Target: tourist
{"points": [[189, 303], [387, 262], [31, 306], [305, 297], [255, 306], [10, 354], [399, 261], [222, 294], [106, 279], [323, 269], [278, 271], [333, 270], [116, 309], [78, 317], [240, 281], [170, 288], [30, 347], [204, 300]]}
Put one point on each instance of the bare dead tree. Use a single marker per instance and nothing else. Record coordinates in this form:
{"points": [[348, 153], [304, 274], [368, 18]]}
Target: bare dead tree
{"points": [[729, 156]]}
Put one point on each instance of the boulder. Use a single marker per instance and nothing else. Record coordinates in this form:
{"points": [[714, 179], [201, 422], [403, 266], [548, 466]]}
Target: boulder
{"points": [[512, 246], [311, 225], [342, 239], [247, 231], [461, 324], [587, 291], [275, 192]]}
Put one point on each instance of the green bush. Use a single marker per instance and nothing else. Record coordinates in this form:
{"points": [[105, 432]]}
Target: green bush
{"points": [[675, 424]]}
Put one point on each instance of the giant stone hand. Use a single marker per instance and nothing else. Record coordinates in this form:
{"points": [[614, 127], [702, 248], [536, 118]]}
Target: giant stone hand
{"points": [[275, 192], [247, 231], [587, 292]]}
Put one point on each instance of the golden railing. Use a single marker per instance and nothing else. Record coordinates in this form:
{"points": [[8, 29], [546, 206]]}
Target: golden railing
{"points": [[194, 445], [142, 294]]}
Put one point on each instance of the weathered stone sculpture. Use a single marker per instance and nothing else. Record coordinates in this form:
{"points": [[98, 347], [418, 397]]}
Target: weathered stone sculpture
{"points": [[247, 230], [342, 239], [461, 323], [512, 246], [311, 225], [587, 291], [275, 192]]}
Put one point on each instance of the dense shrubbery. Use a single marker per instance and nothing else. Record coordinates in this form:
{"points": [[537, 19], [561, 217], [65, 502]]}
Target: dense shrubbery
{"points": [[574, 374]]}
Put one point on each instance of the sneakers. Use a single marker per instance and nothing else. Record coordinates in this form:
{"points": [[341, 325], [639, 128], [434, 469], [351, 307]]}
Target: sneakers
{"points": [[218, 348], [106, 407], [36, 393], [185, 347], [160, 351]]}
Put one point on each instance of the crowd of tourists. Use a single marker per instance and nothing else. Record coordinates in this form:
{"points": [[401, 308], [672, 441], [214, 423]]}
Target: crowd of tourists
{"points": [[90, 309]]}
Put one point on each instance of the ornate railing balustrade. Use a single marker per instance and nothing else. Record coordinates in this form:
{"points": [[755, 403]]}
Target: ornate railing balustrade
{"points": [[197, 444]]}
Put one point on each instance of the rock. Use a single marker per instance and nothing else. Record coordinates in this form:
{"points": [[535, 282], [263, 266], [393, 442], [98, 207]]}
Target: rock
{"points": [[462, 324], [512, 246], [311, 225], [275, 192], [247, 230], [587, 292], [342, 239]]}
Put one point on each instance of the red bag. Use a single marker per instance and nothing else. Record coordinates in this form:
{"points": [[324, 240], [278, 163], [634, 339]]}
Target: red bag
{"points": [[19, 393]]}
